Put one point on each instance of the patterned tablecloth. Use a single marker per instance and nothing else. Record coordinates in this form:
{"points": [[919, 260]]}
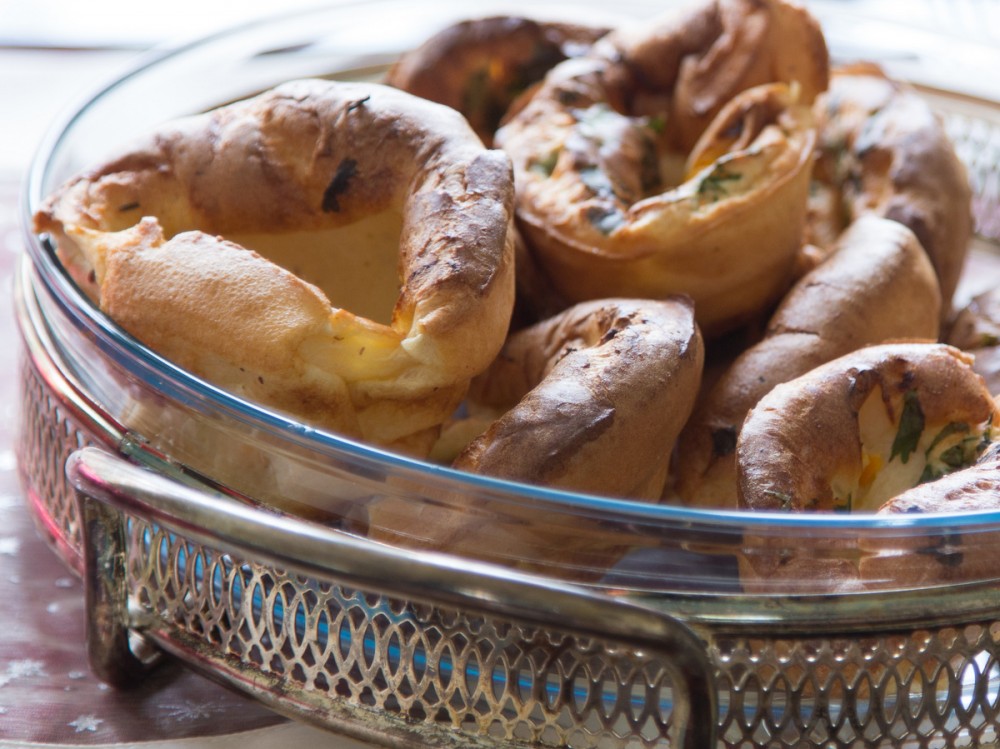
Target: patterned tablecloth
{"points": [[47, 693]]}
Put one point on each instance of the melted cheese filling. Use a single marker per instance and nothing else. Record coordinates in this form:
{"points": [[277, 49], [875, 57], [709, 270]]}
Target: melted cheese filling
{"points": [[898, 452]]}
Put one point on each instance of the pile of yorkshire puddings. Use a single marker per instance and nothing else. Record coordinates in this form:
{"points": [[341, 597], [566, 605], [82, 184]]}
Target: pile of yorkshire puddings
{"points": [[683, 261]]}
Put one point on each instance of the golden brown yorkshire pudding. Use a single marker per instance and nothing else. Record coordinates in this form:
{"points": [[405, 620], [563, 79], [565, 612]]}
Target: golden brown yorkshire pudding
{"points": [[856, 432], [592, 401], [358, 193], [634, 181], [882, 150], [877, 285], [480, 66]]}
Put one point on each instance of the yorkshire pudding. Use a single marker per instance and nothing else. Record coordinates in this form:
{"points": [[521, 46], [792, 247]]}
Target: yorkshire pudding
{"points": [[480, 66], [883, 150], [864, 429], [878, 285], [349, 193], [591, 401], [976, 328], [675, 159]]}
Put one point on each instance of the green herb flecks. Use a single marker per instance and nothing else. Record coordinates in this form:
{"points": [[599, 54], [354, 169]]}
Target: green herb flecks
{"points": [[911, 426], [597, 181], [953, 427], [605, 220], [956, 457], [657, 123], [714, 185]]}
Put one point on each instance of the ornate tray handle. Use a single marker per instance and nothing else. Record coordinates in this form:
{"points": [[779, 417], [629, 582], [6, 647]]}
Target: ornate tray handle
{"points": [[108, 487]]}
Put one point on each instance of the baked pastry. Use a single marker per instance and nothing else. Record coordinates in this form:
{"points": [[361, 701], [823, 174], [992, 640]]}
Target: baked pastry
{"points": [[306, 174], [861, 430], [591, 401], [883, 150], [894, 428], [877, 285], [667, 160], [966, 554], [480, 66]]}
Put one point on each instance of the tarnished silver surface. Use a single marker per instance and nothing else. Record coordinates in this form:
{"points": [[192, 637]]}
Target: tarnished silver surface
{"points": [[540, 657]]}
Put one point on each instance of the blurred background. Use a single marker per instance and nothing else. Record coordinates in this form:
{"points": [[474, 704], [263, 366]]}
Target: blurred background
{"points": [[54, 51]]}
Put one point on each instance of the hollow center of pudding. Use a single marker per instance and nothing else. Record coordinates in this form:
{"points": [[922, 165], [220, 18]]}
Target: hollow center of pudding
{"points": [[356, 266], [900, 449]]}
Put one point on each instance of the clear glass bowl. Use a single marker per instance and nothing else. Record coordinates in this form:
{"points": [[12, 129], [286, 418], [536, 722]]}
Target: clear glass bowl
{"points": [[267, 459]]}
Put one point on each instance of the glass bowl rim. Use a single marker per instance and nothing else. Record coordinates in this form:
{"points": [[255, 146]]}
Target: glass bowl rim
{"points": [[176, 382]]}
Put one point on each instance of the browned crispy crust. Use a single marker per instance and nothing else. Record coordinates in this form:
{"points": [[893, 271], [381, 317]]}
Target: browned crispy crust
{"points": [[804, 432], [480, 66], [690, 63], [883, 150], [596, 397], [877, 285], [307, 155], [594, 199]]}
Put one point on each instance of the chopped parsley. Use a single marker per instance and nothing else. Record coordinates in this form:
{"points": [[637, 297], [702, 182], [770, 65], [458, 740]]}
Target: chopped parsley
{"points": [[911, 426], [960, 455], [713, 185], [657, 123], [606, 220]]}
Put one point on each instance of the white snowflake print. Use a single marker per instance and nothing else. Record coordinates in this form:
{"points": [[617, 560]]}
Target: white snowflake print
{"points": [[25, 668], [189, 711], [85, 723], [10, 546], [21, 669]]}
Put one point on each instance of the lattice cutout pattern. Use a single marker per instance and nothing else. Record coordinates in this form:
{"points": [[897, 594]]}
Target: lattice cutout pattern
{"points": [[935, 688], [48, 437], [426, 665]]}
